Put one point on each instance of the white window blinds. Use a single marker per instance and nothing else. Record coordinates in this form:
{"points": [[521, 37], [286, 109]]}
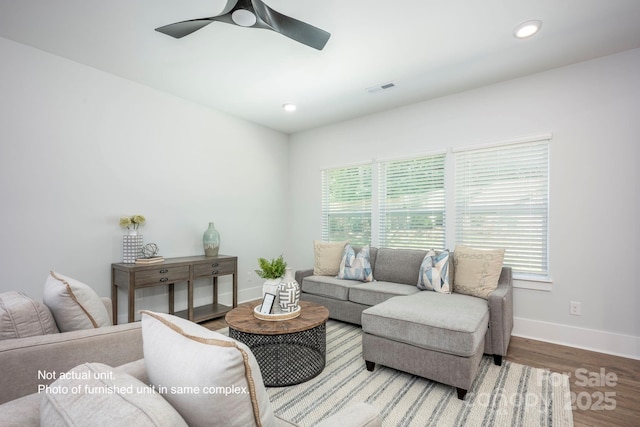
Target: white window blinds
{"points": [[412, 203], [346, 204], [502, 201]]}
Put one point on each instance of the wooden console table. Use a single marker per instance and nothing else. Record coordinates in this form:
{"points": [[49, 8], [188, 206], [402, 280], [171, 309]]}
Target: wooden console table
{"points": [[169, 272]]}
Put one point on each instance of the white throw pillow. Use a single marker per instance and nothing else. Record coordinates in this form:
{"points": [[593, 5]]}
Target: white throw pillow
{"points": [[209, 378], [434, 272], [327, 256], [96, 395], [74, 305], [355, 267], [21, 317], [477, 271]]}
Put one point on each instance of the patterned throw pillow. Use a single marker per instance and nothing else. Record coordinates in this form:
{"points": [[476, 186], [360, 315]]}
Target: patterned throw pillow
{"points": [[355, 267], [434, 272]]}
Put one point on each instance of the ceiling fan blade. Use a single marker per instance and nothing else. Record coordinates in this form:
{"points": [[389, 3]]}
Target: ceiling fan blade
{"points": [[290, 27], [184, 28]]}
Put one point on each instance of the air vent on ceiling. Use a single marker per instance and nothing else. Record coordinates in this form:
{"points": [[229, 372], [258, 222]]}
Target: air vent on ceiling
{"points": [[380, 88]]}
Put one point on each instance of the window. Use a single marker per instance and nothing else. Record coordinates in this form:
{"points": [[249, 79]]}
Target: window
{"points": [[502, 202], [498, 197], [346, 204], [412, 203]]}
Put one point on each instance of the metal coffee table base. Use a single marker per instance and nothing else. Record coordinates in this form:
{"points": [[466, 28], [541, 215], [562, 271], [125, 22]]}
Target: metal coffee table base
{"points": [[287, 359]]}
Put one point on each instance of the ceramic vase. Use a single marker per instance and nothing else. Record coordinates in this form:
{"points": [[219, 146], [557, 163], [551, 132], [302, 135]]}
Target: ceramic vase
{"points": [[289, 292], [131, 248], [211, 241]]}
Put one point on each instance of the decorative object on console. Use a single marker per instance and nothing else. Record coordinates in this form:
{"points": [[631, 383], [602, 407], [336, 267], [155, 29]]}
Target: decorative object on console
{"points": [[150, 255], [211, 241], [131, 248], [132, 241], [272, 271], [132, 223], [289, 293]]}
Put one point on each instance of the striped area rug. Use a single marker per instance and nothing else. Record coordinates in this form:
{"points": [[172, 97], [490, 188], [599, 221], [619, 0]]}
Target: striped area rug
{"points": [[507, 395]]}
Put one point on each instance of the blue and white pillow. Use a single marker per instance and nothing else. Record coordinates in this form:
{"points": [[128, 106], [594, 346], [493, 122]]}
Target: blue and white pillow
{"points": [[434, 272], [355, 267]]}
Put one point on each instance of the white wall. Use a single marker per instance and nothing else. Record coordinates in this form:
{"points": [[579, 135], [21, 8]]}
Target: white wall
{"points": [[592, 111], [79, 148]]}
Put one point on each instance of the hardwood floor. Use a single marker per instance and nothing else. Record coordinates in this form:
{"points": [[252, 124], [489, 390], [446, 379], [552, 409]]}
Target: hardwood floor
{"points": [[605, 389]]}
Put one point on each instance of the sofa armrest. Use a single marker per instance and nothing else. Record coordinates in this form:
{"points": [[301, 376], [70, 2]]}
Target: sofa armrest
{"points": [[358, 415], [301, 274], [501, 313], [26, 363]]}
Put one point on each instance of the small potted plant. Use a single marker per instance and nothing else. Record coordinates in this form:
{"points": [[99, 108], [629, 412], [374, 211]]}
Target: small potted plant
{"points": [[272, 271]]}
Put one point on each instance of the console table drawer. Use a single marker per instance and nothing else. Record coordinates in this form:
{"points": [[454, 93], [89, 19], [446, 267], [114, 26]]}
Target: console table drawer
{"points": [[162, 275], [214, 268]]}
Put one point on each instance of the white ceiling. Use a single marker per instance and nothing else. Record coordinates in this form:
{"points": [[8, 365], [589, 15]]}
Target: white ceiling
{"points": [[428, 48]]}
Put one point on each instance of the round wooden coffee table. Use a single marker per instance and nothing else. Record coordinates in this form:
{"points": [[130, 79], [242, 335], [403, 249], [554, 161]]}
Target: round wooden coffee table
{"points": [[288, 352]]}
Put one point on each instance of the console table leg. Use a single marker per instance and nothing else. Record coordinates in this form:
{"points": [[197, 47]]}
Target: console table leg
{"points": [[171, 299], [190, 300], [114, 301], [132, 302]]}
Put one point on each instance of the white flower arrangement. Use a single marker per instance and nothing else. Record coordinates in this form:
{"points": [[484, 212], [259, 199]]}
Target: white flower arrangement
{"points": [[133, 221]]}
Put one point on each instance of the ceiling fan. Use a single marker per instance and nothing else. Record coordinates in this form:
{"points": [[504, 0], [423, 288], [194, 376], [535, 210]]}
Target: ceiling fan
{"points": [[255, 14]]}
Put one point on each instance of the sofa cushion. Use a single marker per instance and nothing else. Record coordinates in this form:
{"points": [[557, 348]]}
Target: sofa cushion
{"points": [[448, 323], [477, 271], [95, 393], [434, 273], [21, 317], [327, 256], [355, 267], [74, 305], [377, 292], [23, 411], [398, 265], [330, 287], [206, 375]]}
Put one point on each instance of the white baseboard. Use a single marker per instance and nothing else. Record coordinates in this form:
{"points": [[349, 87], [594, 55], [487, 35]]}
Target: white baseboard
{"points": [[588, 339]]}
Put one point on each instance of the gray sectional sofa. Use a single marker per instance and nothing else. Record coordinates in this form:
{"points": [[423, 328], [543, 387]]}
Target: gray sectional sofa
{"points": [[434, 335]]}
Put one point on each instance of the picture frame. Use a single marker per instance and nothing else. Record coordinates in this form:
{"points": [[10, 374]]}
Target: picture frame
{"points": [[267, 303]]}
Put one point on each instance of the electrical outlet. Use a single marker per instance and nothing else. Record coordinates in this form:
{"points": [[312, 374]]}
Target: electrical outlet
{"points": [[575, 308], [249, 276]]}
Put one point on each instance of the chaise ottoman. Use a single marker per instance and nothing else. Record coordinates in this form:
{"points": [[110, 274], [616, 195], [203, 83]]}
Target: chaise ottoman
{"points": [[429, 334]]}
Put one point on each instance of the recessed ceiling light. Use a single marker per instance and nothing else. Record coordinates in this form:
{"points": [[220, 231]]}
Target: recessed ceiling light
{"points": [[527, 29], [289, 107]]}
